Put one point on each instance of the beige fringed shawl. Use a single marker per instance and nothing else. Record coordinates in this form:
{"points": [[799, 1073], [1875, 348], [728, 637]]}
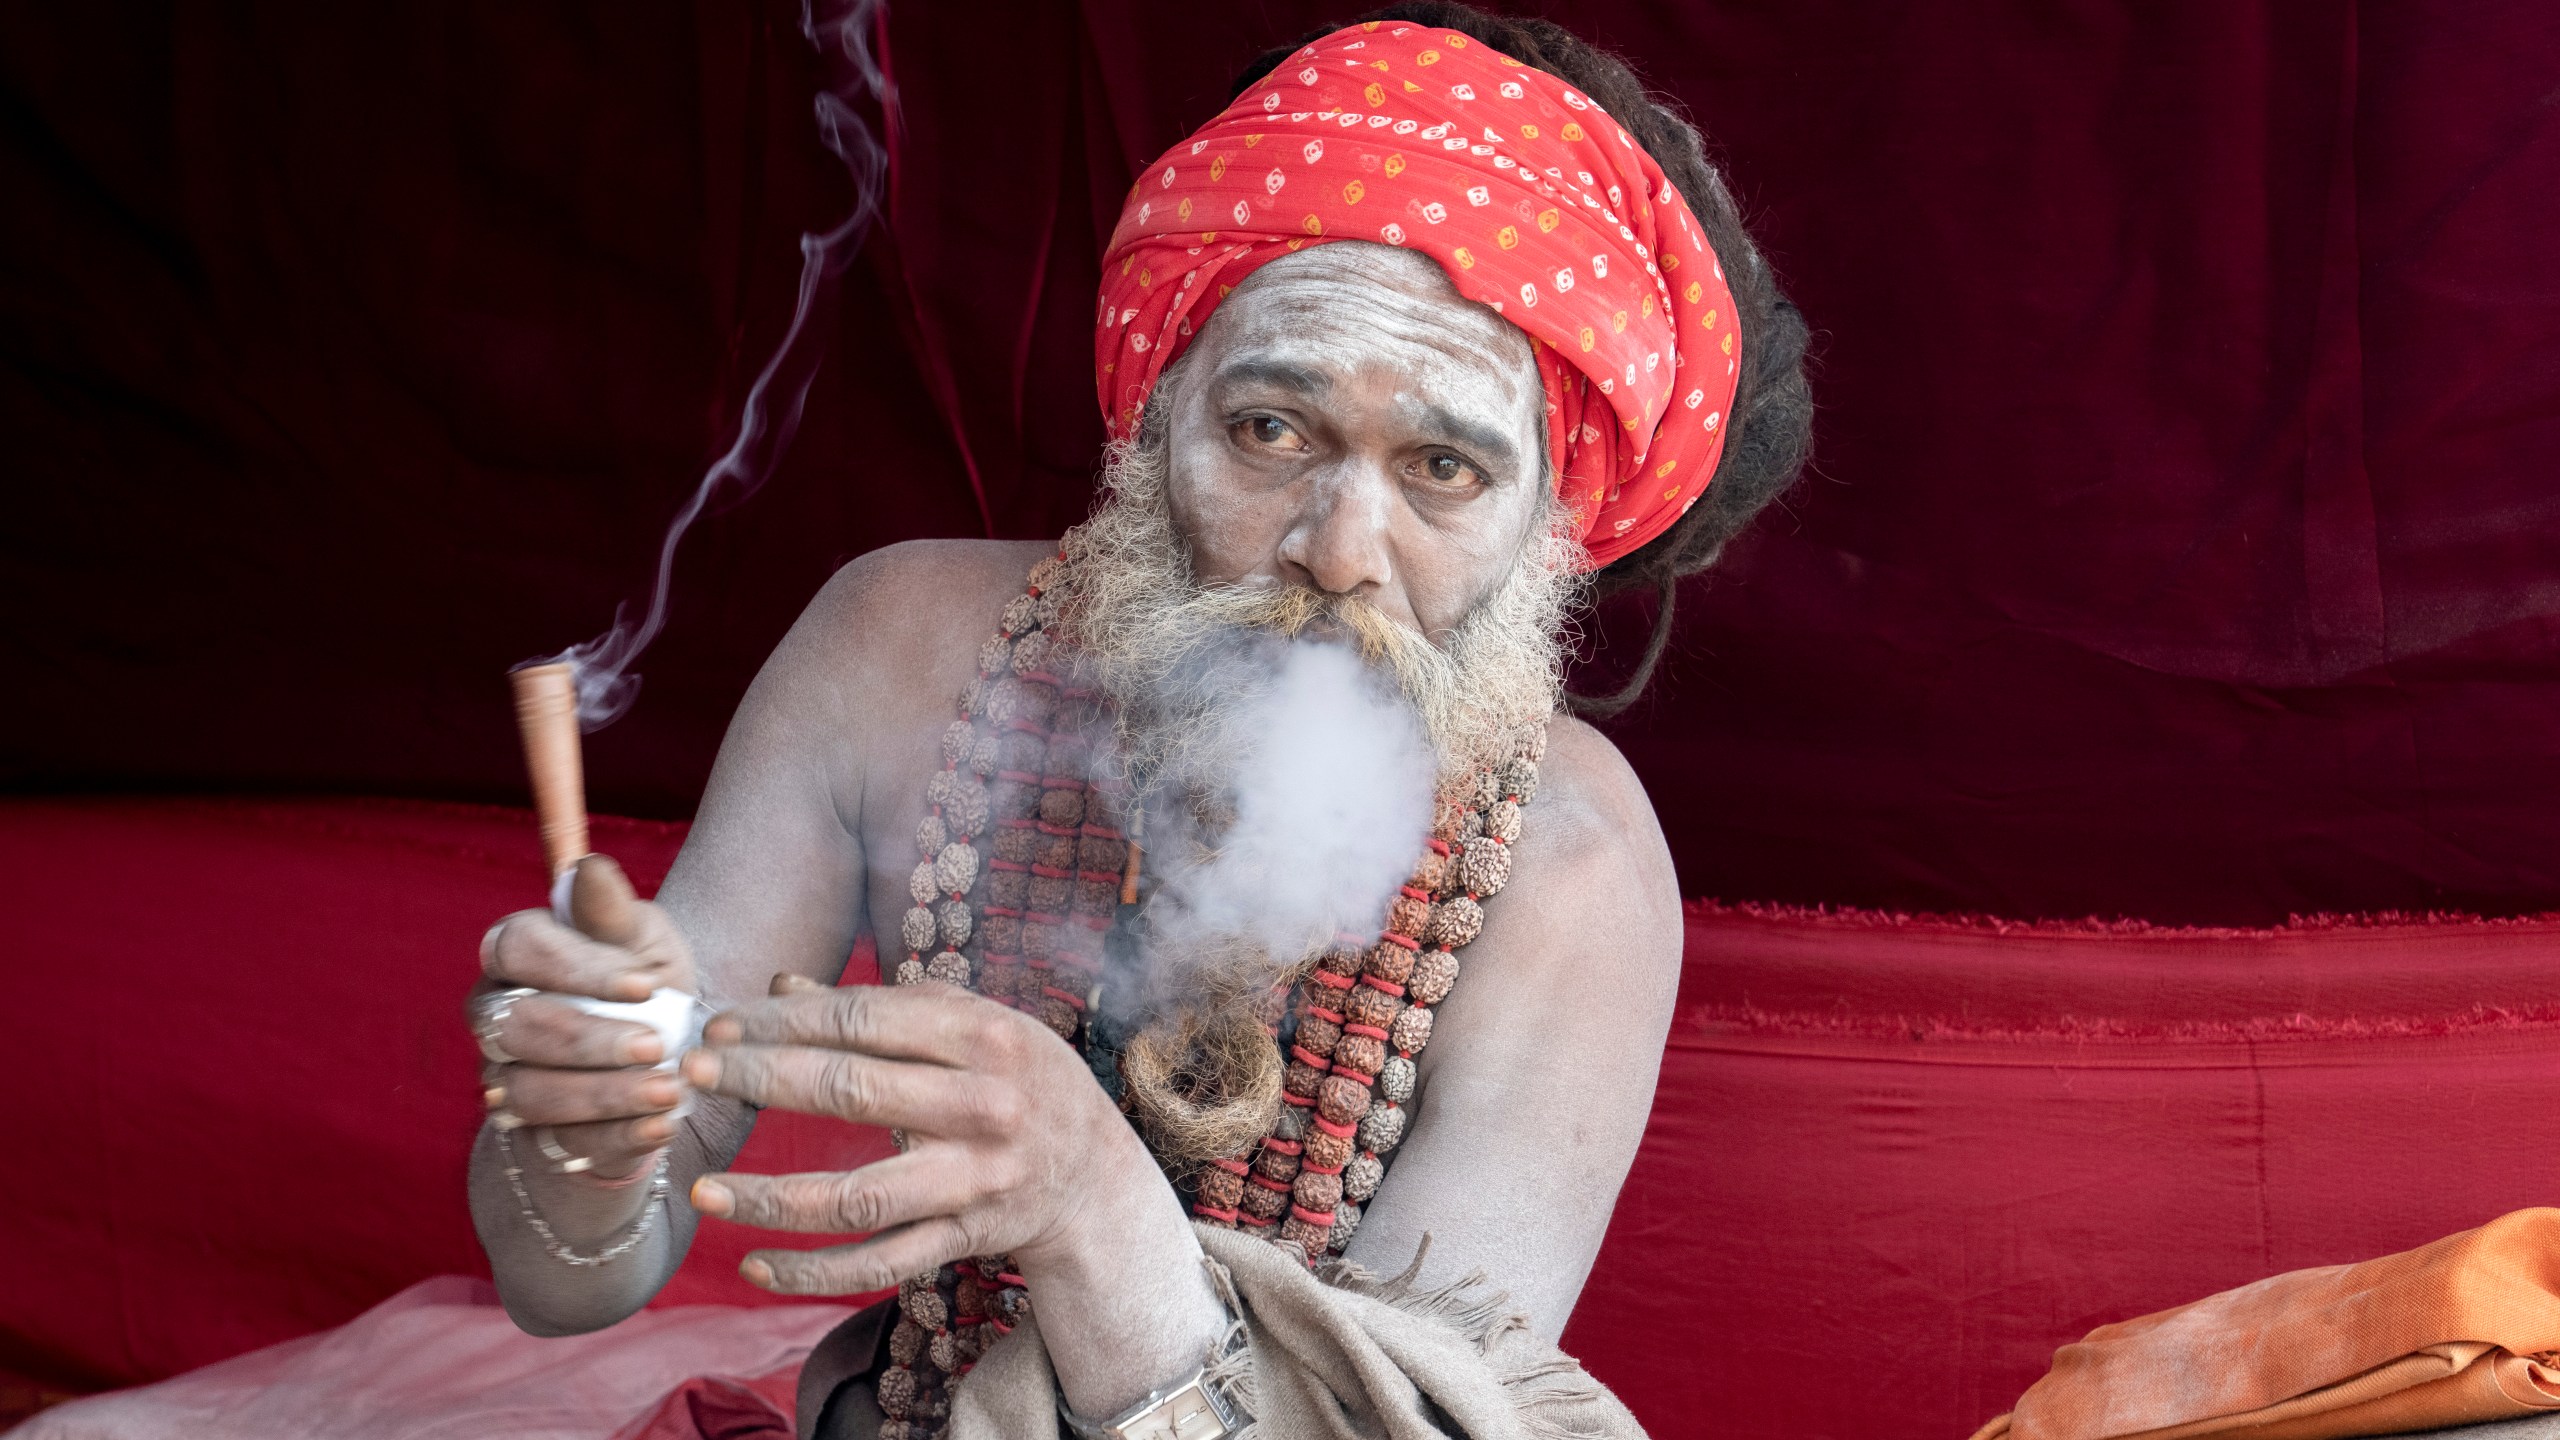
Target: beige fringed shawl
{"points": [[1343, 1356]]}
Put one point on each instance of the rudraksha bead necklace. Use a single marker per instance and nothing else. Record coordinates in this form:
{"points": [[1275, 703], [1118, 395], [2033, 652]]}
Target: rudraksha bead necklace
{"points": [[1025, 853]]}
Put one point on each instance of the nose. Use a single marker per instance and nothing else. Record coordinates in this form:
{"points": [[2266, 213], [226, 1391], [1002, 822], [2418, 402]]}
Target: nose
{"points": [[1337, 543]]}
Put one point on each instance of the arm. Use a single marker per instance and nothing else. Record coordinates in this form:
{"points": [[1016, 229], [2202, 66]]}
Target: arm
{"points": [[1540, 1073], [769, 879]]}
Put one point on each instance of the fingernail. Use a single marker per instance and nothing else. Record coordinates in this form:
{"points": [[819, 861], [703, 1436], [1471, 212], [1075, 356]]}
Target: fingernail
{"points": [[757, 1273], [494, 1096], [702, 1068], [724, 1031], [660, 1091], [635, 987], [655, 1128], [643, 1048], [713, 1198]]}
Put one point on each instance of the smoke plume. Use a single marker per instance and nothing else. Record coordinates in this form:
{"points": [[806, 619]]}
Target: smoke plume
{"points": [[606, 683]]}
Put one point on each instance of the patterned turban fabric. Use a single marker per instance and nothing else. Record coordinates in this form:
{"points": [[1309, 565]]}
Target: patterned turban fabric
{"points": [[1534, 201]]}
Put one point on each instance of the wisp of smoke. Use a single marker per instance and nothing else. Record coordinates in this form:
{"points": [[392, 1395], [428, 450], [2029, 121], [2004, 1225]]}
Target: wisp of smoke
{"points": [[771, 414], [1323, 798]]}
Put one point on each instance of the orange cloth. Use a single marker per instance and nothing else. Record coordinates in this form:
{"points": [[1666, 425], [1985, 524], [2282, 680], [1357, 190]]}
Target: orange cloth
{"points": [[2459, 1331]]}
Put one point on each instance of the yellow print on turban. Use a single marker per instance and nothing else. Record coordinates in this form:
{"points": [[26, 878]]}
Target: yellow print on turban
{"points": [[1589, 337], [1508, 237], [1218, 167], [1351, 193], [1549, 220], [1571, 131], [1394, 166], [1376, 95], [1427, 57], [1466, 258], [1693, 292]]}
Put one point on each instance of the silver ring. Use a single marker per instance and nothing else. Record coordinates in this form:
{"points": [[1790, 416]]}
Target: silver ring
{"points": [[493, 1013], [562, 1162]]}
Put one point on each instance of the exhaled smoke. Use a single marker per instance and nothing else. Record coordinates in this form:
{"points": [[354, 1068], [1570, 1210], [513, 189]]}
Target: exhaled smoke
{"points": [[1320, 797], [771, 414]]}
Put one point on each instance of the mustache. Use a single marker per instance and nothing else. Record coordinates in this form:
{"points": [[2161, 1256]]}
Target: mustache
{"points": [[1295, 612]]}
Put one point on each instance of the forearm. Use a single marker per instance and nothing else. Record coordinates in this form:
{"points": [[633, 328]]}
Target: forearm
{"points": [[1128, 1307], [549, 1296]]}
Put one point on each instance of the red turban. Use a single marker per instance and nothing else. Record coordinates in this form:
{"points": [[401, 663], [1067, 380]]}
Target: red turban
{"points": [[1533, 200]]}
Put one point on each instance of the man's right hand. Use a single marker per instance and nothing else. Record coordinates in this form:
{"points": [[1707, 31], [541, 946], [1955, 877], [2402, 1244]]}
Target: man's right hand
{"points": [[589, 1078]]}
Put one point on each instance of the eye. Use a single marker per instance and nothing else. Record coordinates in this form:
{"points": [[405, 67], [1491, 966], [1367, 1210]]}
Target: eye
{"points": [[1450, 472], [1268, 432]]}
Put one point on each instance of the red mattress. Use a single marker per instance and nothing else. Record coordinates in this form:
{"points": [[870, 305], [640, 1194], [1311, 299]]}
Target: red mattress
{"points": [[1892, 1164]]}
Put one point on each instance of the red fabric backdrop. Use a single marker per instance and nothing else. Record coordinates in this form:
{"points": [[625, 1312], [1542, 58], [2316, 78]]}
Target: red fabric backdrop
{"points": [[2191, 558]]}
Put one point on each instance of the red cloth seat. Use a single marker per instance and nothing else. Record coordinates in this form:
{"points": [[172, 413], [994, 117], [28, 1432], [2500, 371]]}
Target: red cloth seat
{"points": [[1890, 1167]]}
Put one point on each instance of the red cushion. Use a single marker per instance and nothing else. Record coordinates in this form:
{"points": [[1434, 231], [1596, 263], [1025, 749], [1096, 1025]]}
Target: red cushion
{"points": [[1890, 1167], [1893, 1165]]}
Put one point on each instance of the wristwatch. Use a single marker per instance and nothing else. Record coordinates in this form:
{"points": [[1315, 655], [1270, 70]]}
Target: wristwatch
{"points": [[1189, 1409]]}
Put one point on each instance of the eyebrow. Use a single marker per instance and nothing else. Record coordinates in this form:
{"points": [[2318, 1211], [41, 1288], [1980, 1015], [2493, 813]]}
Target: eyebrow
{"points": [[1493, 445], [1276, 373]]}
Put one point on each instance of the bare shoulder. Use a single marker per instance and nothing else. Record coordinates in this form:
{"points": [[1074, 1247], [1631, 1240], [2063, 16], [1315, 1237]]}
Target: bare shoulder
{"points": [[1591, 839], [919, 596]]}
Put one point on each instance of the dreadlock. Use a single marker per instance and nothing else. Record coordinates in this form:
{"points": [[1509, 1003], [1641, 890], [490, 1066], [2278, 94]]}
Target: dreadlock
{"points": [[1772, 423]]}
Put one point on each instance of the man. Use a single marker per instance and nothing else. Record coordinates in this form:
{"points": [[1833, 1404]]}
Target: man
{"points": [[1442, 326]]}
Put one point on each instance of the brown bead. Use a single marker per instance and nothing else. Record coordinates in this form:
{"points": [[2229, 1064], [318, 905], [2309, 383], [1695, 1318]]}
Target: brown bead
{"points": [[1067, 755], [1430, 873], [954, 920], [957, 738], [1008, 888], [1049, 569], [916, 929], [982, 756], [1307, 1239], [1039, 942], [1263, 1203], [1316, 1035], [1366, 1005], [1396, 1080], [1015, 800], [955, 868], [1388, 961], [920, 886], [931, 834], [1278, 1164], [1412, 1029], [994, 654], [1094, 852], [1020, 750], [950, 967], [1326, 1150], [906, 1341], [1002, 933], [1059, 1016], [1016, 844], [1220, 1189], [896, 1391], [975, 697], [1502, 820], [998, 980], [1301, 1078], [1058, 852], [1486, 867], [920, 1302], [1030, 653], [1316, 1191], [1520, 778], [1340, 960], [1434, 973], [910, 971], [1488, 788], [1097, 897], [968, 1298], [1062, 807], [1409, 917], [1346, 1222], [1359, 1052], [1290, 1123], [1381, 1128], [1360, 1178], [945, 1352], [1448, 823], [1049, 894], [1035, 702], [1342, 1100], [1017, 614]]}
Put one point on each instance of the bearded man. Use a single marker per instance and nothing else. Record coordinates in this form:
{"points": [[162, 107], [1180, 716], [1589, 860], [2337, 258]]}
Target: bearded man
{"points": [[1440, 329]]}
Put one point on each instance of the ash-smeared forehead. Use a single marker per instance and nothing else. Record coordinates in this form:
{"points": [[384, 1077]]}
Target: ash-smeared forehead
{"points": [[1310, 320]]}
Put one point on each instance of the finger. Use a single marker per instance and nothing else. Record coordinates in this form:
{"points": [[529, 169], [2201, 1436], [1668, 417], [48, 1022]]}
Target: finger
{"points": [[914, 1186], [875, 1264], [603, 907], [859, 1088], [906, 1022], [541, 1096], [616, 1146], [787, 983], [531, 948], [540, 1031]]}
